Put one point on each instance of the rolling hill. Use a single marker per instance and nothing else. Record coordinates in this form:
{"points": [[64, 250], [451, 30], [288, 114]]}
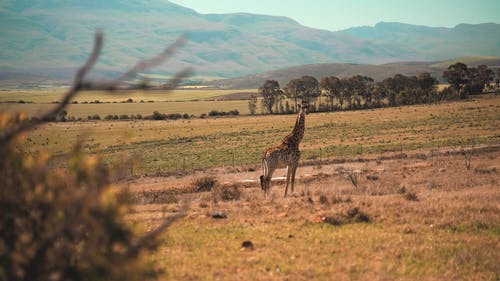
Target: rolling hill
{"points": [[342, 70], [51, 38]]}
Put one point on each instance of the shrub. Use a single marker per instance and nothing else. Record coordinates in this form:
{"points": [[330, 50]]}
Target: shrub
{"points": [[174, 116], [94, 117], [234, 112], [157, 116], [216, 113], [206, 183], [67, 224], [226, 193], [71, 225], [323, 199], [411, 196]]}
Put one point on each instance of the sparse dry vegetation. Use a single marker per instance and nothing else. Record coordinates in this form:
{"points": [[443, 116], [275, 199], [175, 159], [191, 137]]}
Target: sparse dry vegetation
{"points": [[395, 227]]}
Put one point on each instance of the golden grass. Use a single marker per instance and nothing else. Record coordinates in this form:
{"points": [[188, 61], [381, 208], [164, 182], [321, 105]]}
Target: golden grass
{"points": [[451, 232], [146, 108], [54, 94]]}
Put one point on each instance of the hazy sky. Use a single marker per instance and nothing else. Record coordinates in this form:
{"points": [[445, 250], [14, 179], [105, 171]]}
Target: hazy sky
{"points": [[340, 14]]}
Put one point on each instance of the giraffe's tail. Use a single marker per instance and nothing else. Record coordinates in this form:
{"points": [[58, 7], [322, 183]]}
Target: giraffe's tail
{"points": [[265, 172]]}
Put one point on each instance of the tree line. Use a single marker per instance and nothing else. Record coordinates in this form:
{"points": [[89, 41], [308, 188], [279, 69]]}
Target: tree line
{"points": [[362, 92]]}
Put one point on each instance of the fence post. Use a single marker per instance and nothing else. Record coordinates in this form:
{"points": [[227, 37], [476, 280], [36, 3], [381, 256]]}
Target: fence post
{"points": [[184, 163], [320, 155]]}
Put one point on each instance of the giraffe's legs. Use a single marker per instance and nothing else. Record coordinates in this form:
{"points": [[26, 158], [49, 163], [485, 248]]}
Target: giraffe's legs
{"points": [[287, 179], [294, 169], [267, 180]]}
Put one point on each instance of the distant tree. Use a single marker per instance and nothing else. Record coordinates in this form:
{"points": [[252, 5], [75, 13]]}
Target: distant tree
{"points": [[458, 76], [359, 87], [331, 87], [497, 79], [378, 94], [479, 78], [427, 85], [271, 94], [293, 90], [310, 88], [252, 104]]}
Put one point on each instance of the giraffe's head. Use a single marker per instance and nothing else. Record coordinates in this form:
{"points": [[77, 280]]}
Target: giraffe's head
{"points": [[304, 106]]}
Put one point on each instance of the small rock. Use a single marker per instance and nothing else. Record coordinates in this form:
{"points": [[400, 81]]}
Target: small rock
{"points": [[247, 245], [219, 215], [408, 231]]}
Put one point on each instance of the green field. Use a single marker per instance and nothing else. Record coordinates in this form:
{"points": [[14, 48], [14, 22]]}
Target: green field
{"points": [[202, 143]]}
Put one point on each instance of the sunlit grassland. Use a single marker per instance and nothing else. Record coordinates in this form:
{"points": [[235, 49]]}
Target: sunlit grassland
{"points": [[203, 143], [54, 94], [324, 252], [449, 232], [192, 102], [102, 109]]}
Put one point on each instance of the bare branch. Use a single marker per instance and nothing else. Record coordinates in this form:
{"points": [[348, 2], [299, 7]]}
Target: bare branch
{"points": [[174, 82], [155, 61]]}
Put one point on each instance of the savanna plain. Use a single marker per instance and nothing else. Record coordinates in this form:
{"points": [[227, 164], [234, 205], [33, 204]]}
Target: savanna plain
{"points": [[406, 193]]}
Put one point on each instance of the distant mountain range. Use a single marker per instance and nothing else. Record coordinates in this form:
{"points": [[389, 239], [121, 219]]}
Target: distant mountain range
{"points": [[345, 70], [50, 38]]}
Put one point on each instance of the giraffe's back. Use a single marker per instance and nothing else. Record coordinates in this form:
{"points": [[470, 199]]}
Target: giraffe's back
{"points": [[280, 155]]}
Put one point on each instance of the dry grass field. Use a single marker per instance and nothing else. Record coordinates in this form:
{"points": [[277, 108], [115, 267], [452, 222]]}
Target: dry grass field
{"points": [[192, 102], [54, 94], [361, 210], [407, 219], [168, 146]]}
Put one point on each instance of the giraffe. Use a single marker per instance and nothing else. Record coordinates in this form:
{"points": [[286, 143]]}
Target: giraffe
{"points": [[286, 154]]}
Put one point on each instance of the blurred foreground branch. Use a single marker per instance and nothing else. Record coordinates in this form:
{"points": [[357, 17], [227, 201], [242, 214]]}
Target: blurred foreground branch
{"points": [[70, 224]]}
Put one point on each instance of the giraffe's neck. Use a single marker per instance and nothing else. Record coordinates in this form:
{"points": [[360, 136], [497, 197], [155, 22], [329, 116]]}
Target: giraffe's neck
{"points": [[298, 129]]}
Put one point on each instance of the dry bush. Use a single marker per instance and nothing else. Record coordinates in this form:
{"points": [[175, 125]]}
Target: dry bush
{"points": [[411, 196], [203, 184], [339, 199], [69, 224], [57, 225], [155, 197], [323, 199], [352, 215], [226, 193]]}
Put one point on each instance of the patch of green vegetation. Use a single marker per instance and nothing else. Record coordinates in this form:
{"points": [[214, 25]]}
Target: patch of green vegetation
{"points": [[164, 146]]}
